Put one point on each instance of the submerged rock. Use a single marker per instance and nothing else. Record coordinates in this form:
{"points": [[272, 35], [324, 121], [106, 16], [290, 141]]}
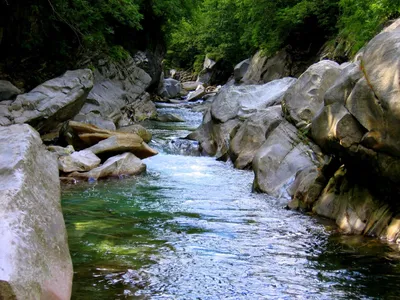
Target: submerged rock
{"points": [[169, 118], [34, 258]]}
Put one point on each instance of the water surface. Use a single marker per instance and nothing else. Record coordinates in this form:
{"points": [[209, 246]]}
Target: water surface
{"points": [[190, 228]]}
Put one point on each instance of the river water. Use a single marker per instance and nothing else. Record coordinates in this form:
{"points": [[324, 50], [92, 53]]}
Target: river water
{"points": [[190, 228]]}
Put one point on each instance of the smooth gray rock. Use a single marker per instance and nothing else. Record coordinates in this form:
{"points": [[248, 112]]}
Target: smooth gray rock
{"points": [[240, 69], [8, 90], [116, 166], [34, 257], [243, 101], [170, 88], [54, 101], [96, 120], [191, 85], [80, 161], [169, 118], [306, 98], [278, 160], [251, 135]]}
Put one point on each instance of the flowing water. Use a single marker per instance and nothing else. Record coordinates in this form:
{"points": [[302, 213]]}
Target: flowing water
{"points": [[190, 228]]}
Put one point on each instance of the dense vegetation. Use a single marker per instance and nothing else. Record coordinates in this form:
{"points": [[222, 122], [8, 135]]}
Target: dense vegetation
{"points": [[234, 29], [41, 38]]}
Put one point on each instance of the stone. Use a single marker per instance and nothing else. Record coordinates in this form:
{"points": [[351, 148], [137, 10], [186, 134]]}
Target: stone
{"points": [[344, 84], [306, 98], [251, 135], [121, 165], [240, 69], [8, 90], [374, 101], [170, 88], [54, 101], [61, 151], [122, 143], [80, 161], [139, 130], [119, 91], [242, 101], [263, 69], [95, 119], [34, 257], [335, 128], [278, 160], [191, 85], [197, 94]]}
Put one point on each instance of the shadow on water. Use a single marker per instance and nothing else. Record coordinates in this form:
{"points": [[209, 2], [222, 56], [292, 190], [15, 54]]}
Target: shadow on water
{"points": [[190, 228]]}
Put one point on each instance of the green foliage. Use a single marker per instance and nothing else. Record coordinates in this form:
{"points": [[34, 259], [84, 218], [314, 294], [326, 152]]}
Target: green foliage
{"points": [[361, 19]]}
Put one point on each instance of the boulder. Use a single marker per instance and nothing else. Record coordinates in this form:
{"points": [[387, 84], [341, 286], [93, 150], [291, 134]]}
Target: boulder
{"points": [[120, 91], [306, 98], [374, 101], [344, 84], [215, 73], [240, 69], [139, 130], [356, 210], [8, 90], [251, 135], [263, 69], [121, 165], [191, 85], [96, 119], [170, 88], [34, 257], [121, 143], [54, 101], [61, 151], [80, 161], [197, 94], [82, 135], [284, 153], [242, 101]]}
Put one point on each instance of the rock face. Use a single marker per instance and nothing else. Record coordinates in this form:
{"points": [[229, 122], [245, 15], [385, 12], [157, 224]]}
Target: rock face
{"points": [[240, 70], [8, 91], [79, 161], [306, 98], [279, 159], [120, 165], [34, 258], [229, 109], [119, 93], [170, 88], [52, 102]]}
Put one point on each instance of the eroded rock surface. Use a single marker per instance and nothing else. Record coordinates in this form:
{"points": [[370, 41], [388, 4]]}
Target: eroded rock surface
{"points": [[34, 258]]}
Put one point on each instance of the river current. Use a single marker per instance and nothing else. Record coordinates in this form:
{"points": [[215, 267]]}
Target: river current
{"points": [[190, 228]]}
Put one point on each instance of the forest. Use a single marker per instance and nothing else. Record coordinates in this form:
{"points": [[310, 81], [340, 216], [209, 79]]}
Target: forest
{"points": [[52, 35]]}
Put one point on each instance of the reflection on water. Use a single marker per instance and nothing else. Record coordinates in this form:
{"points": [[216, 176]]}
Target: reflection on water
{"points": [[191, 229]]}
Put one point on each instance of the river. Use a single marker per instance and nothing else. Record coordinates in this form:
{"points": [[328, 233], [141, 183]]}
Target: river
{"points": [[190, 228]]}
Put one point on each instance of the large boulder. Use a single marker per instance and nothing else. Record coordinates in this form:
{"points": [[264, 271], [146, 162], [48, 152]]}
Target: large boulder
{"points": [[119, 92], [79, 161], [34, 258], [240, 69], [170, 88], [374, 101], [242, 101], [284, 153], [52, 102], [121, 165], [251, 135], [8, 90], [81, 136], [139, 130], [306, 98], [263, 69]]}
